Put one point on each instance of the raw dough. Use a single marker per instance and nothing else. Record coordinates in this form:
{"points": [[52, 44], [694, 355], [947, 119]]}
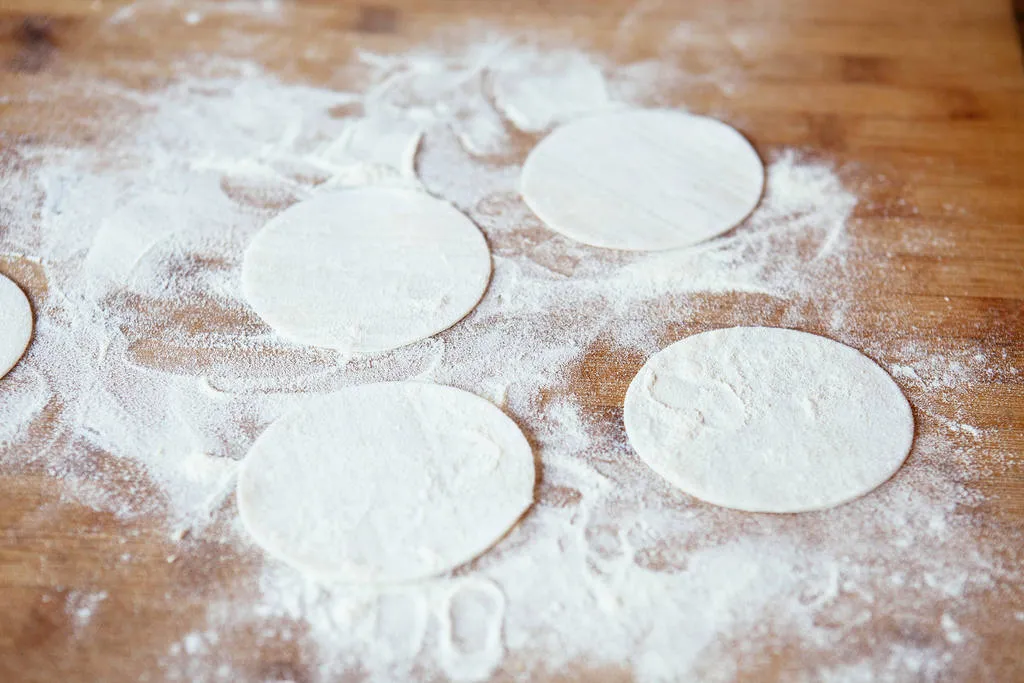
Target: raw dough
{"points": [[15, 324], [768, 420], [386, 482], [643, 180], [542, 89], [366, 270]]}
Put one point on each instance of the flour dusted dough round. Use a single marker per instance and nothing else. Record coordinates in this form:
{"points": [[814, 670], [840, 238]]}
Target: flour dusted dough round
{"points": [[768, 420], [643, 180], [386, 482], [15, 324], [366, 270]]}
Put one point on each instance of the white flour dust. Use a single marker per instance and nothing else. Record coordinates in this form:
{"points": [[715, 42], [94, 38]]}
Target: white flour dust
{"points": [[149, 378], [82, 606]]}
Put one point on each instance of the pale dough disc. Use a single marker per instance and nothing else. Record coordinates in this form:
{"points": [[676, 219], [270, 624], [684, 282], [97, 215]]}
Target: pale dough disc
{"points": [[643, 180], [366, 270], [768, 420], [386, 482], [15, 324]]}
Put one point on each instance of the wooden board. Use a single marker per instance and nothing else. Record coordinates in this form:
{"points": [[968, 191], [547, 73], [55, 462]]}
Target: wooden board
{"points": [[929, 95]]}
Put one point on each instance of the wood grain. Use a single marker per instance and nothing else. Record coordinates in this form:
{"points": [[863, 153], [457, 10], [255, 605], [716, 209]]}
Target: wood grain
{"points": [[928, 95]]}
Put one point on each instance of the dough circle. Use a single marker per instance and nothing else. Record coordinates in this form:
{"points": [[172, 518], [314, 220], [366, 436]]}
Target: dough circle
{"points": [[366, 270], [768, 420], [386, 482], [15, 324], [643, 180]]}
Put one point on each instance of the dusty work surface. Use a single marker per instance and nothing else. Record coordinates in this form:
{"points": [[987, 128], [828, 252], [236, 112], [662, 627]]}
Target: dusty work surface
{"points": [[142, 145]]}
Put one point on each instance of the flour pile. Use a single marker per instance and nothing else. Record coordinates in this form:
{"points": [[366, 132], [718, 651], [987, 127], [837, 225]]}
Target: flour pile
{"points": [[149, 378]]}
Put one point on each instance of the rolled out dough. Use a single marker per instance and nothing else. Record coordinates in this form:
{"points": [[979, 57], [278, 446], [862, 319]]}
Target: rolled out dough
{"points": [[768, 420], [643, 180], [15, 324], [366, 270], [386, 482]]}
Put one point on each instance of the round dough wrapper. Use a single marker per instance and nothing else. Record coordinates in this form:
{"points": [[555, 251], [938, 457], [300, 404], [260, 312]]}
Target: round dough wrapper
{"points": [[768, 420], [366, 270], [15, 324], [643, 180], [386, 482]]}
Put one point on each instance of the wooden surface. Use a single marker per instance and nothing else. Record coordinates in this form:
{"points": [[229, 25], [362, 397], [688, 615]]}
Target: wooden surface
{"points": [[928, 93]]}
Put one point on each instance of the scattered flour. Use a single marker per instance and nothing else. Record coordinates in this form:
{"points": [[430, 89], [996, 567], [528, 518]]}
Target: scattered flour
{"points": [[149, 378], [81, 606]]}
